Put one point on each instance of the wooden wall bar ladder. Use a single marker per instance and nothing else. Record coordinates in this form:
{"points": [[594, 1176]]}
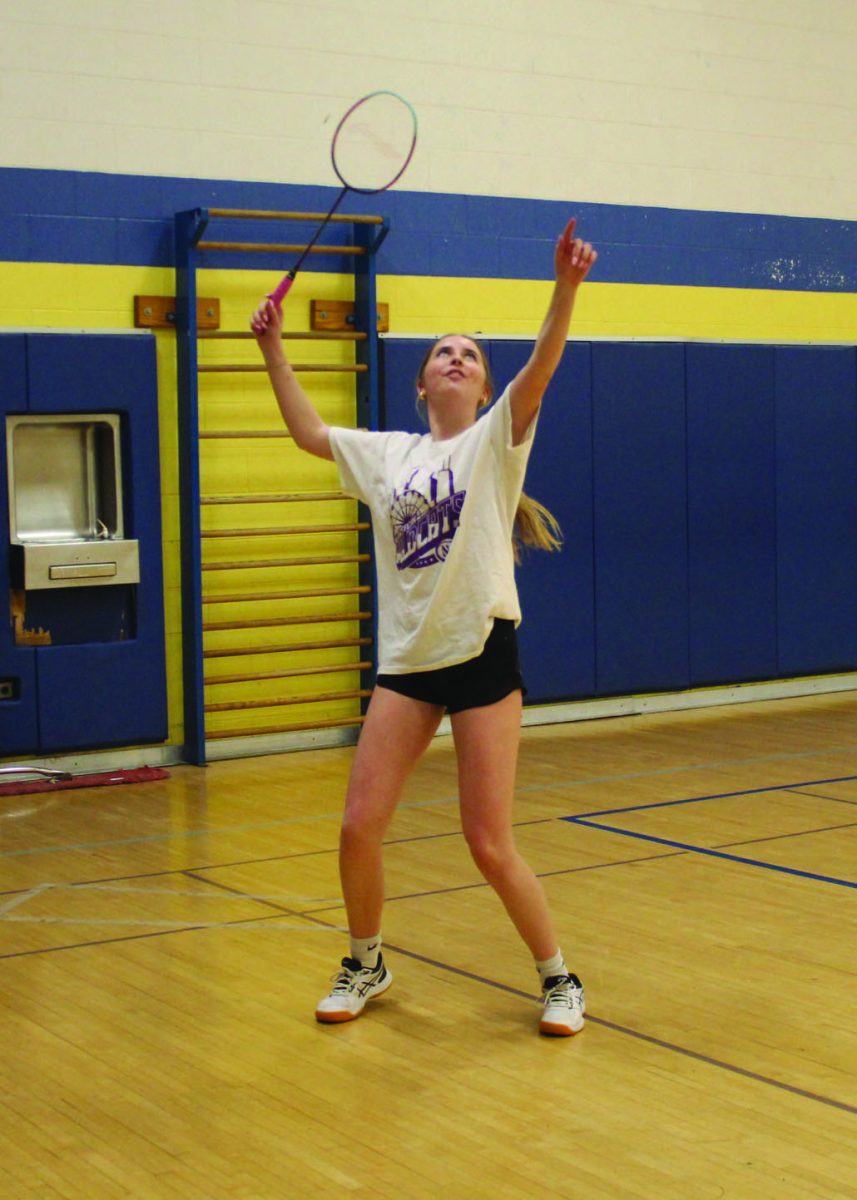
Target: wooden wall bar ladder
{"points": [[208, 669]]}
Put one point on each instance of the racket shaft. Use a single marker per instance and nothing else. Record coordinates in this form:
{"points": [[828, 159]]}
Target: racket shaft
{"points": [[286, 282]]}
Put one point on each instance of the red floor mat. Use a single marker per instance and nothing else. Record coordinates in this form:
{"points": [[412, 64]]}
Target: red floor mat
{"points": [[23, 786]]}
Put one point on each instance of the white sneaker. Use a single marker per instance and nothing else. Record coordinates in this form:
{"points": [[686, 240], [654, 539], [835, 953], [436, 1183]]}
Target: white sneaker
{"points": [[352, 987], [564, 1006]]}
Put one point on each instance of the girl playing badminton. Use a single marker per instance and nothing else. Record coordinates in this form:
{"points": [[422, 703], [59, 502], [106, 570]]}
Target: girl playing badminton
{"points": [[444, 512]]}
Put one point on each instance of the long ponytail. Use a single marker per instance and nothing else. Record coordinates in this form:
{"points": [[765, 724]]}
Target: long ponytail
{"points": [[535, 526]]}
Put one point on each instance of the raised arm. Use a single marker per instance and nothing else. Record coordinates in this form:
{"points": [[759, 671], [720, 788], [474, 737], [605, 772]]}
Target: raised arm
{"points": [[572, 262], [299, 412]]}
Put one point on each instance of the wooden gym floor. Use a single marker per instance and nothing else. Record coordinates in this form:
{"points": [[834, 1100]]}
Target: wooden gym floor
{"points": [[164, 944]]}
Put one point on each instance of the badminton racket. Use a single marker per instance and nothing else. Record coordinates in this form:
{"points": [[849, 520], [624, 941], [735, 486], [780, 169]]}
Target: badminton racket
{"points": [[371, 148]]}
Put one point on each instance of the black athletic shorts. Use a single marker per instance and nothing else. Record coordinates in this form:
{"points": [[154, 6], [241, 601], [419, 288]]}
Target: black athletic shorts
{"points": [[480, 681]]}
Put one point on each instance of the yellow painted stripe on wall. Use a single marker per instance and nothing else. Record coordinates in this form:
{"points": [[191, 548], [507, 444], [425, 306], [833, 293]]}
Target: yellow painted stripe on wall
{"points": [[502, 306], [64, 296]]}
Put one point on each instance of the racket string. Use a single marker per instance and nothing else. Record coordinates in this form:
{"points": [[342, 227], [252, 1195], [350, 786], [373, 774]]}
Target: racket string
{"points": [[374, 142]]}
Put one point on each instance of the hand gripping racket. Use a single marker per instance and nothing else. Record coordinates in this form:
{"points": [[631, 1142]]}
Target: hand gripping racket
{"points": [[371, 148]]}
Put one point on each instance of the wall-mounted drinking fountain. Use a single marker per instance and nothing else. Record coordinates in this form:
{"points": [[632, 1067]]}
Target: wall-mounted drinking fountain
{"points": [[65, 501]]}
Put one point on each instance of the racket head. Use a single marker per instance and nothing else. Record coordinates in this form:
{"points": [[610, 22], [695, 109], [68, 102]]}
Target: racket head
{"points": [[374, 142]]}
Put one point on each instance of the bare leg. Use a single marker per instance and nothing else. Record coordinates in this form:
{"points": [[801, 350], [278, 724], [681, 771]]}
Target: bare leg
{"points": [[396, 733], [486, 743]]}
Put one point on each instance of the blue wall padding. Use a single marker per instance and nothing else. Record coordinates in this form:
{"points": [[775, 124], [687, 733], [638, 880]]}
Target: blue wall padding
{"points": [[19, 716], [641, 585], [731, 512], [400, 361], [708, 495], [106, 685], [96, 695], [817, 508]]}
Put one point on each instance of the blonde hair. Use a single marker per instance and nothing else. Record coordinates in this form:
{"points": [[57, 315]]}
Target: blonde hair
{"points": [[534, 526]]}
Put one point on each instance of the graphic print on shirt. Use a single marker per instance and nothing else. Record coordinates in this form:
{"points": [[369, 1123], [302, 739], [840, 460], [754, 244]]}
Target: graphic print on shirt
{"points": [[425, 515]]}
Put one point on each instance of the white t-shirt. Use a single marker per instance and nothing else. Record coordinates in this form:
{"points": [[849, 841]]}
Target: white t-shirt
{"points": [[442, 518]]}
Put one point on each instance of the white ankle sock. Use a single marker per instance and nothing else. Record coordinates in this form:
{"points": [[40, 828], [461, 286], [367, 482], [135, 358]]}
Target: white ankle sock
{"points": [[549, 968], [366, 950]]}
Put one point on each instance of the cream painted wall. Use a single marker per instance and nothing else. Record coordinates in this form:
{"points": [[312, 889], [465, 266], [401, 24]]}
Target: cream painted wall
{"points": [[736, 105]]}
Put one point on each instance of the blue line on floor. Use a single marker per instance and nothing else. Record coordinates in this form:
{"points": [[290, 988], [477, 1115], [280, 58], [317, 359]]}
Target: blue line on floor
{"points": [[779, 787], [752, 862]]}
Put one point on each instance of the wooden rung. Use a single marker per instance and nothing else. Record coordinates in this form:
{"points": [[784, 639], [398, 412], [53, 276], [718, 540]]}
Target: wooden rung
{"points": [[257, 214], [311, 335], [336, 669], [282, 701], [274, 498], [277, 622], [279, 248], [285, 530], [306, 594], [323, 561], [253, 368], [287, 648], [245, 433], [260, 731]]}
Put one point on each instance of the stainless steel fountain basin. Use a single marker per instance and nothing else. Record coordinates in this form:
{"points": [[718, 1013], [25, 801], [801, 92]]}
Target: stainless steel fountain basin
{"points": [[65, 500]]}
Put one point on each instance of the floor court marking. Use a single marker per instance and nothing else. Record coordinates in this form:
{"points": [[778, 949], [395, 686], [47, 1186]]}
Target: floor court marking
{"points": [[778, 787], [217, 893], [779, 837], [22, 898], [819, 796], [586, 819], [165, 927], [199, 895], [135, 923], [738, 858], [237, 924], [169, 926]]}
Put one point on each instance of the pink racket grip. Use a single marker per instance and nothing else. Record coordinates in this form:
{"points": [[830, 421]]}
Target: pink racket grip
{"points": [[281, 290]]}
